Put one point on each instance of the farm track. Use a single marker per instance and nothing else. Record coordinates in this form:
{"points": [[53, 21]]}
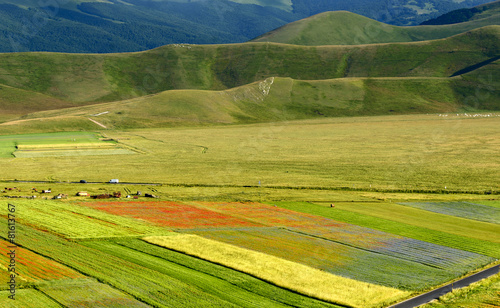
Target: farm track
{"points": [[435, 294], [423, 191], [101, 125], [54, 182]]}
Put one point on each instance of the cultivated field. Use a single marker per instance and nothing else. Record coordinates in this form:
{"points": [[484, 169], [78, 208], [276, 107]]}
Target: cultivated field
{"points": [[393, 205], [57, 145]]}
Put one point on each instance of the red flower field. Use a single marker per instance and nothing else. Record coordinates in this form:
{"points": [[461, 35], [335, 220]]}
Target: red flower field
{"points": [[170, 214], [32, 267]]}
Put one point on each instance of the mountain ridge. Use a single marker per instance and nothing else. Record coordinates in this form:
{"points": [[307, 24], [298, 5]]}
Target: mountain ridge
{"points": [[346, 28], [191, 83], [134, 25]]}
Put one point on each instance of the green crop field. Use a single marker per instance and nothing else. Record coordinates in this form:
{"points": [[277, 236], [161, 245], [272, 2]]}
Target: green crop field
{"points": [[433, 221], [388, 224], [88, 293], [460, 209], [217, 286], [27, 298], [57, 144], [74, 221]]}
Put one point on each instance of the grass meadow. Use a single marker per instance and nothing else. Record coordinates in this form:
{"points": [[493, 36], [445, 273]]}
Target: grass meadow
{"points": [[405, 153]]}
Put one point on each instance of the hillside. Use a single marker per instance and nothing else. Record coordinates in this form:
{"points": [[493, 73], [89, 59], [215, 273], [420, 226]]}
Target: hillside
{"points": [[84, 78], [345, 28], [197, 84], [271, 100], [466, 14], [95, 26]]}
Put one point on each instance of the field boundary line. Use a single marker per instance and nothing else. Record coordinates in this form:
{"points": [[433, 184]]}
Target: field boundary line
{"points": [[435, 294]]}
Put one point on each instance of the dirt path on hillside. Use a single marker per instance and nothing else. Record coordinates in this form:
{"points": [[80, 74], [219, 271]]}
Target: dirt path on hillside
{"points": [[101, 125]]}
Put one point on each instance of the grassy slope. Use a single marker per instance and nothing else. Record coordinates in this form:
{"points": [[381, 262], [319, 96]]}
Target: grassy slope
{"points": [[64, 80], [87, 78], [464, 15], [17, 102], [487, 10], [274, 99], [345, 28]]}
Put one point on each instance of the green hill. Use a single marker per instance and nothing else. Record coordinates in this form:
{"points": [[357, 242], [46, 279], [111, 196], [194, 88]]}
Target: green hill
{"points": [[271, 100], [466, 14], [90, 78], [195, 84], [345, 28], [98, 26]]}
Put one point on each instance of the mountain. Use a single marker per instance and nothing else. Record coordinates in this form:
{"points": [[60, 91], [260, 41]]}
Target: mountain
{"points": [[345, 28], [484, 11], [104, 26], [250, 82]]}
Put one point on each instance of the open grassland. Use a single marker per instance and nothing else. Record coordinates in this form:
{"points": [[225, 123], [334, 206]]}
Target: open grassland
{"points": [[74, 221], [345, 28], [482, 294], [406, 153], [17, 102], [460, 209], [281, 272], [341, 212]]}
